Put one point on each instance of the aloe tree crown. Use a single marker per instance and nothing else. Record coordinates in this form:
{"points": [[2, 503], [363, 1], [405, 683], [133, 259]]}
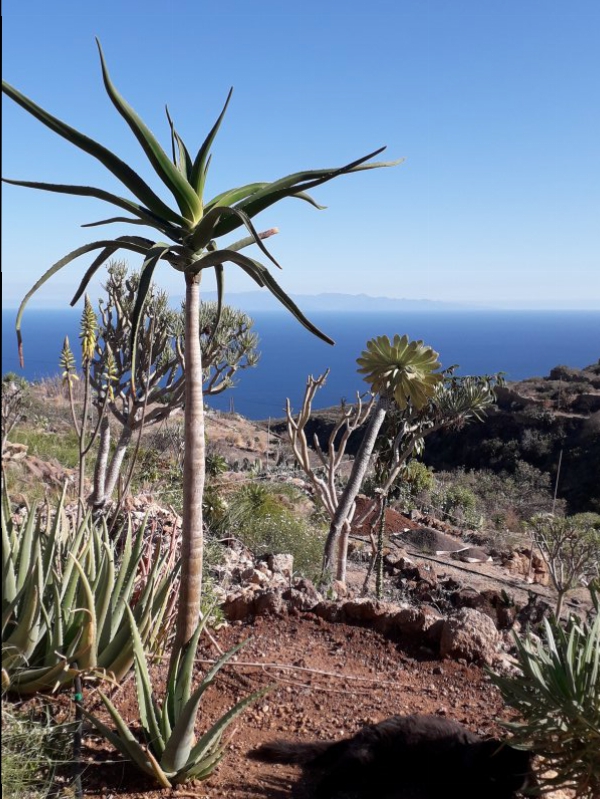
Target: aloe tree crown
{"points": [[402, 370], [190, 228]]}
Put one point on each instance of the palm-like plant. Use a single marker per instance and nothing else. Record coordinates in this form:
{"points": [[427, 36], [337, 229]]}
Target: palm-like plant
{"points": [[188, 233], [399, 371]]}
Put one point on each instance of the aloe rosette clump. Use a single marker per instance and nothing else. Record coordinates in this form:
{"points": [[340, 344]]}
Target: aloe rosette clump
{"points": [[171, 753], [556, 694], [65, 598]]}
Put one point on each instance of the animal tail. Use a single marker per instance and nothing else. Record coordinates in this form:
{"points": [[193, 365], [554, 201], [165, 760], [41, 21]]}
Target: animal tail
{"points": [[291, 752]]}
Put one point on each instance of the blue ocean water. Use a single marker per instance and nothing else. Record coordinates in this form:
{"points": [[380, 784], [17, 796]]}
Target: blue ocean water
{"points": [[520, 343]]}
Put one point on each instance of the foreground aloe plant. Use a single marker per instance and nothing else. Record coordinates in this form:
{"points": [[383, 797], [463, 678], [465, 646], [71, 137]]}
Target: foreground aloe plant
{"points": [[171, 754], [188, 242], [557, 697], [65, 597]]}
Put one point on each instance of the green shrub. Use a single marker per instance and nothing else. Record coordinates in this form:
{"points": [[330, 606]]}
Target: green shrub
{"points": [[556, 694], [31, 752], [262, 517]]}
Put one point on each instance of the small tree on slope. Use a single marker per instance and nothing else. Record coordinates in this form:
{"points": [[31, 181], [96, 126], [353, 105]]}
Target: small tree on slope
{"points": [[188, 233]]}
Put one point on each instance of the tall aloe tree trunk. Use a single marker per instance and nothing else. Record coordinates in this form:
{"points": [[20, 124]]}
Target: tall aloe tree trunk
{"points": [[193, 472], [355, 481]]}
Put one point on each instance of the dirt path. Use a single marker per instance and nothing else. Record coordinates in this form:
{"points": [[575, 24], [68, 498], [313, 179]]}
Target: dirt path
{"points": [[329, 680]]}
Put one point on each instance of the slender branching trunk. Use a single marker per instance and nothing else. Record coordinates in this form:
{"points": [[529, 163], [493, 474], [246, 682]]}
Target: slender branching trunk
{"points": [[379, 556], [114, 470], [355, 481], [193, 473], [99, 494]]}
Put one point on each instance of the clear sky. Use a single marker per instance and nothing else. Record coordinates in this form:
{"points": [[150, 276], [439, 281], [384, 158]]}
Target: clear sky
{"points": [[494, 104]]}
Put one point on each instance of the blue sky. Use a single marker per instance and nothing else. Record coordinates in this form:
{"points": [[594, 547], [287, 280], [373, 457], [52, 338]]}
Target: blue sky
{"points": [[494, 104]]}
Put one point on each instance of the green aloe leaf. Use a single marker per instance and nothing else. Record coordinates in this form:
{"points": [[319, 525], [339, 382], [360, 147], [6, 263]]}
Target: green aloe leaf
{"points": [[149, 711], [232, 196], [137, 244], [261, 275], [119, 168], [153, 256], [205, 229], [88, 655], [294, 184], [185, 196], [211, 738], [185, 671], [56, 267], [144, 215], [181, 156], [180, 743], [199, 167], [125, 742]]}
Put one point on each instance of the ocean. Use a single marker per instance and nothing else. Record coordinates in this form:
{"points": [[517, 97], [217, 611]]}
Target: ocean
{"points": [[520, 343]]}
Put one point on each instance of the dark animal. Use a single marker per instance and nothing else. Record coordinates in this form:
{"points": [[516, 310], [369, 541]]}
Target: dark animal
{"points": [[409, 757]]}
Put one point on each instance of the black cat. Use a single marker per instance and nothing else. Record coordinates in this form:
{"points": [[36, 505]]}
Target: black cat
{"points": [[409, 757]]}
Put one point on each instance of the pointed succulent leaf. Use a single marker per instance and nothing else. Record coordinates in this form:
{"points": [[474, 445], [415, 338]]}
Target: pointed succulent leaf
{"points": [[211, 738], [125, 742], [185, 196], [149, 712], [198, 175], [232, 196], [153, 256], [295, 184], [124, 242], [261, 275], [204, 230], [145, 215], [119, 168], [88, 657], [185, 670], [180, 743], [181, 156]]}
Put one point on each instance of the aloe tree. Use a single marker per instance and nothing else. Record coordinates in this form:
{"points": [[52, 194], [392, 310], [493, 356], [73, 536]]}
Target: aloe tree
{"points": [[399, 372], [188, 232]]}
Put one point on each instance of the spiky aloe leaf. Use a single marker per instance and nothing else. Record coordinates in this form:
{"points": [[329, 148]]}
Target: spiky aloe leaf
{"points": [[125, 742], [185, 196], [112, 245], [87, 656], [180, 743], [144, 215], [293, 184], [199, 167], [204, 231], [206, 744], [22, 641], [153, 256], [184, 670], [9, 575], [261, 275], [179, 152], [119, 168]]}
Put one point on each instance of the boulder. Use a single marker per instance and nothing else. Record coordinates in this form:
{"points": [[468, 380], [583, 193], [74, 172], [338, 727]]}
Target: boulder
{"points": [[471, 635]]}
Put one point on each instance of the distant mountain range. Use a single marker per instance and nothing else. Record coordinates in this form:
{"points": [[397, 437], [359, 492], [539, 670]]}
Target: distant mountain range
{"points": [[264, 301]]}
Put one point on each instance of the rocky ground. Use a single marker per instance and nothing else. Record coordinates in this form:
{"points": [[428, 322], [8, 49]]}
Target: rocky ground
{"points": [[336, 664]]}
